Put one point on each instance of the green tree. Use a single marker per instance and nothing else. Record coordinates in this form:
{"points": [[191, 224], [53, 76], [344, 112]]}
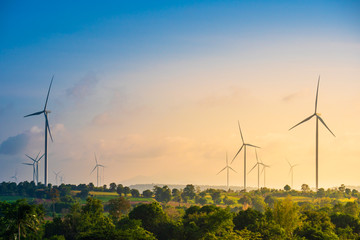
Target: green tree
{"points": [[216, 196], [287, 188], [286, 214], [21, 218], [120, 189], [112, 187], [162, 194], [189, 191], [201, 223], [126, 191], [147, 193], [135, 193], [118, 206]]}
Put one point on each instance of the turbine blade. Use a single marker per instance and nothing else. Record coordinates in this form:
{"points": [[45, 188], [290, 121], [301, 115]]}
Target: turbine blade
{"points": [[253, 168], [47, 97], [232, 169], [242, 138], [322, 121], [94, 169], [30, 157], [306, 119], [33, 114], [221, 170], [288, 163], [48, 127], [37, 155], [30, 164], [257, 160], [41, 157], [95, 159], [250, 145], [317, 93], [289, 172], [237, 153]]}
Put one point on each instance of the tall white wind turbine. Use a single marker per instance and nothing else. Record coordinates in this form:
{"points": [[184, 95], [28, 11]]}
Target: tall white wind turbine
{"points": [[45, 111], [97, 170], [318, 118], [264, 171], [56, 176], [36, 166], [257, 164], [227, 167], [292, 172], [243, 146]]}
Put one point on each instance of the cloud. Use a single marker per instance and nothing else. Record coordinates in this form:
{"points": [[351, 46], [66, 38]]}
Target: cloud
{"points": [[291, 97], [14, 145], [84, 87]]}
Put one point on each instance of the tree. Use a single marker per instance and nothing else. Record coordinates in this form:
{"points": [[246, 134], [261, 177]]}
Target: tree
{"points": [[118, 206], [112, 187], [207, 222], [320, 193], [120, 189], [286, 214], [305, 188], [342, 188], [216, 196], [126, 191], [135, 193], [151, 215], [147, 193], [189, 191], [21, 218], [162, 194], [287, 188]]}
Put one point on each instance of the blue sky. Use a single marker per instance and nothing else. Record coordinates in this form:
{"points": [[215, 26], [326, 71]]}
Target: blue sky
{"points": [[140, 68]]}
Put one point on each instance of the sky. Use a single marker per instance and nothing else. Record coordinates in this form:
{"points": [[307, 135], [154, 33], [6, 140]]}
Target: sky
{"points": [[156, 89]]}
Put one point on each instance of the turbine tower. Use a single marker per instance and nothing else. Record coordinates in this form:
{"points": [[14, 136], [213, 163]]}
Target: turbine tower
{"points": [[244, 145], [97, 170], [47, 129], [317, 115], [292, 172], [257, 165], [227, 167], [36, 166]]}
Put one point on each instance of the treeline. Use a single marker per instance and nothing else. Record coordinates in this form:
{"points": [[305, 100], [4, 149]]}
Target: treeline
{"points": [[285, 219]]}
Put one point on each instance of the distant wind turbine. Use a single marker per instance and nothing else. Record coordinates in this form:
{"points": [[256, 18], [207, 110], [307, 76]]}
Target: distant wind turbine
{"points": [[97, 170], [15, 176], [257, 164], [47, 129], [244, 145], [264, 170], [36, 166], [227, 167], [317, 115], [56, 176], [292, 172]]}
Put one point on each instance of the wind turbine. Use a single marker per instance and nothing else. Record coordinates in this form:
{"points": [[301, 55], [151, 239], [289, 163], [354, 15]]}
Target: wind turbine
{"points": [[264, 170], [47, 128], [97, 170], [292, 172], [56, 176], [244, 145], [258, 165], [36, 165], [317, 115], [15, 176], [34, 169], [227, 167]]}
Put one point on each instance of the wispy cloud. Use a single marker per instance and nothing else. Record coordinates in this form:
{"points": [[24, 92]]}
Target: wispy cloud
{"points": [[84, 87]]}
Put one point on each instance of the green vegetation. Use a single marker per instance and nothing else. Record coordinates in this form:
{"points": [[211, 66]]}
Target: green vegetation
{"points": [[118, 212]]}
